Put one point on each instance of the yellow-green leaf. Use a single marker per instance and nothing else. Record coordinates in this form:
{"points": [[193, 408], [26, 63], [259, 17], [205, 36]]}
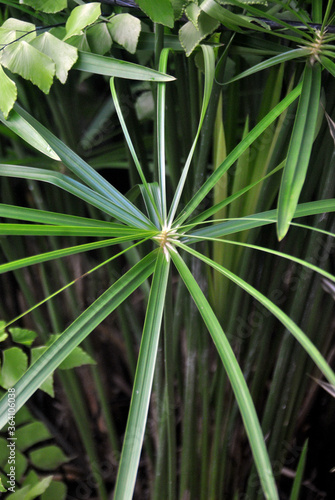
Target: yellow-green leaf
{"points": [[63, 54], [8, 93], [14, 365], [125, 30], [159, 12]]}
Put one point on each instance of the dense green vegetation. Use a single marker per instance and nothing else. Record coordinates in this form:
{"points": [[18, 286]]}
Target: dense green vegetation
{"points": [[167, 202]]}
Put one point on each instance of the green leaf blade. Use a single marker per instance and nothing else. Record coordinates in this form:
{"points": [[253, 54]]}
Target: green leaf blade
{"points": [[80, 17], [236, 378], [159, 12], [300, 148], [77, 332], [28, 62], [27, 132], [102, 65], [48, 6], [125, 30], [139, 405], [62, 54], [8, 93]]}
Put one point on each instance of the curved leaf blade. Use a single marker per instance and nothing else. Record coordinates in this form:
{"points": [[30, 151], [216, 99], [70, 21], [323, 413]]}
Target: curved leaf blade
{"points": [[240, 388], [77, 332]]}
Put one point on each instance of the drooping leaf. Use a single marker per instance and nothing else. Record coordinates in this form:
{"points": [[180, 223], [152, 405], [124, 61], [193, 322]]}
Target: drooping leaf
{"points": [[159, 12], [235, 375], [14, 364], [77, 332], [48, 6], [125, 30], [24, 130], [28, 62], [8, 93], [48, 457], [62, 54], [80, 17]]}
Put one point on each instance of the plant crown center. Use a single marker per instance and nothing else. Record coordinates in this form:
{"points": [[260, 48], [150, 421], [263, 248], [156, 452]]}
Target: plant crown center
{"points": [[167, 238]]}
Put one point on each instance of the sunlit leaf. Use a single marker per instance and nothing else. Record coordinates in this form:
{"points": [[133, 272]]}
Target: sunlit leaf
{"points": [[48, 457], [23, 59], [62, 54], [125, 30], [80, 17], [14, 364], [23, 129], [20, 29]]}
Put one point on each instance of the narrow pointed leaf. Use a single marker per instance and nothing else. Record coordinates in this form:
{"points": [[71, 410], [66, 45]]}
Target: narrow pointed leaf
{"points": [[28, 62], [268, 63], [161, 92], [300, 148], [240, 388], [74, 187], [102, 65], [77, 332], [8, 93], [140, 400], [236, 153], [131, 146], [262, 219]]}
